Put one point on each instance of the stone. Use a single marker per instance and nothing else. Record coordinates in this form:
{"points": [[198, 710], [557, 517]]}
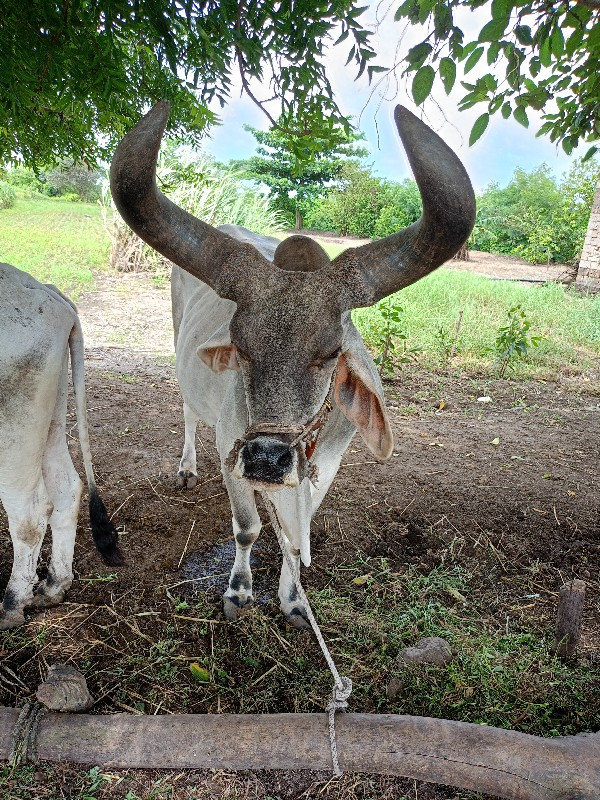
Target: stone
{"points": [[64, 689], [430, 650], [394, 688]]}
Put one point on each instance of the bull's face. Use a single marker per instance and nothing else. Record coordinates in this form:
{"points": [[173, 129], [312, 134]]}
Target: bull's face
{"points": [[286, 337], [287, 345]]}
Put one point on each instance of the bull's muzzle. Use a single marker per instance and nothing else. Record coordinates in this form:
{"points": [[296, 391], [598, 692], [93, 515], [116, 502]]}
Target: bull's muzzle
{"points": [[268, 460]]}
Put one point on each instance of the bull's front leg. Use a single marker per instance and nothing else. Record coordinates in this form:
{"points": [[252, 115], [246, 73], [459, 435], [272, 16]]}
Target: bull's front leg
{"points": [[187, 476], [293, 510], [246, 527]]}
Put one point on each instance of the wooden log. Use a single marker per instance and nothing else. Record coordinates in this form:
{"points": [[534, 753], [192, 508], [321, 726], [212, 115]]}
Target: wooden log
{"points": [[502, 763], [568, 618]]}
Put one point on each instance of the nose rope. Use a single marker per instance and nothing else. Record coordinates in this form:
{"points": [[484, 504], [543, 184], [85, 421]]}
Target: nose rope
{"points": [[307, 434], [300, 432], [342, 685]]}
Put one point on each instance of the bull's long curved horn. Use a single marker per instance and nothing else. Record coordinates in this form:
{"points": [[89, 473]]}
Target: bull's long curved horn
{"points": [[447, 220], [188, 242]]}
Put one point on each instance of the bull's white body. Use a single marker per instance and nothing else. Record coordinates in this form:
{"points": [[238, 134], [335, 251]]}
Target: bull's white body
{"points": [[38, 482], [218, 400]]}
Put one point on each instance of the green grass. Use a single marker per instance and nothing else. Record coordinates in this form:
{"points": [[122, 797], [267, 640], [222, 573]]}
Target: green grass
{"points": [[55, 240], [63, 243], [569, 322]]}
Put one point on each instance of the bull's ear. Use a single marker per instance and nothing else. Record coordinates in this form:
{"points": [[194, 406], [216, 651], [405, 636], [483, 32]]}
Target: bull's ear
{"points": [[219, 358], [218, 352], [357, 397]]}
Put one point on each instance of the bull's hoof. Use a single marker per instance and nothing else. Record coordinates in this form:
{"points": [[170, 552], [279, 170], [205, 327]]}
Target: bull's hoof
{"points": [[11, 619], [296, 617], [45, 597], [235, 607], [186, 479]]}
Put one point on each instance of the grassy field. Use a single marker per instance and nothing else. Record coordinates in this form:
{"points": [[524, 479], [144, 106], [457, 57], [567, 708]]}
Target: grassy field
{"points": [[65, 243], [55, 240], [568, 322]]}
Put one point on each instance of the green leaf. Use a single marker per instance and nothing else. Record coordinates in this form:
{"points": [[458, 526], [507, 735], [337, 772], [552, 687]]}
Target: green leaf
{"points": [[473, 59], [521, 116], [403, 10], [495, 104], [593, 149], [501, 9], [534, 67], [492, 53], [422, 83], [200, 673], [546, 52], [478, 128], [573, 42], [447, 73], [557, 42], [545, 128], [493, 30], [417, 55], [523, 34], [506, 110]]}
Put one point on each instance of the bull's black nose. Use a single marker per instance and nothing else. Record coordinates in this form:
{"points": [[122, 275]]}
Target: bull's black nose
{"points": [[267, 459]]}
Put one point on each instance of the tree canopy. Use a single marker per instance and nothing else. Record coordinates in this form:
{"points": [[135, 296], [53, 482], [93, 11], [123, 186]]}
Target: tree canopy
{"points": [[75, 74], [549, 54]]}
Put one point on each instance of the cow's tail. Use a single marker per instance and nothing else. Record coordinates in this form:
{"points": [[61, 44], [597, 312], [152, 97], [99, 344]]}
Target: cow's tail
{"points": [[103, 531]]}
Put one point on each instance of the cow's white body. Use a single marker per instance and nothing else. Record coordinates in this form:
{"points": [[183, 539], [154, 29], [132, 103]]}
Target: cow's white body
{"points": [[200, 315], [38, 482]]}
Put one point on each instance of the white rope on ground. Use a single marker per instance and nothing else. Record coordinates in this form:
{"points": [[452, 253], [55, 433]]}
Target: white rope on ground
{"points": [[342, 688]]}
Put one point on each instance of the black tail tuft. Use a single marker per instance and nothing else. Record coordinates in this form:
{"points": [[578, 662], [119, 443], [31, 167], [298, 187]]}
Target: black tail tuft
{"points": [[104, 533]]}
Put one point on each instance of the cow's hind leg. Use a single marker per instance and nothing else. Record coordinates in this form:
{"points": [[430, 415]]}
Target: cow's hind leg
{"points": [[64, 487], [246, 527], [28, 512], [187, 475]]}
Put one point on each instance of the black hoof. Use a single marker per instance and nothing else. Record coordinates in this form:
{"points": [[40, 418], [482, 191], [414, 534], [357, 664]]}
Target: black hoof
{"points": [[234, 608], [297, 619], [186, 479]]}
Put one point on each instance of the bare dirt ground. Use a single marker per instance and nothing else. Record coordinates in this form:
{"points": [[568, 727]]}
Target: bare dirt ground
{"points": [[506, 490]]}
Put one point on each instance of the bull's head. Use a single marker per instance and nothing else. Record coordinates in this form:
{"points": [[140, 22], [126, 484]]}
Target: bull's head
{"points": [[291, 336]]}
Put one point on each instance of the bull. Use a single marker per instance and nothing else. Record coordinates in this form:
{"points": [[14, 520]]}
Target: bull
{"points": [[39, 485], [266, 351]]}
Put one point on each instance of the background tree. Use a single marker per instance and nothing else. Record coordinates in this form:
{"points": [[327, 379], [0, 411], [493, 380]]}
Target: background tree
{"points": [[536, 216], [296, 179], [549, 52], [75, 74], [366, 206]]}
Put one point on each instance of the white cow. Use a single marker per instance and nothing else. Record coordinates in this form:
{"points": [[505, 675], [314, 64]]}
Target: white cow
{"points": [[38, 482], [266, 349]]}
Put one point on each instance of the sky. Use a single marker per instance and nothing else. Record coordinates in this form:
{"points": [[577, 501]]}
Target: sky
{"points": [[504, 146]]}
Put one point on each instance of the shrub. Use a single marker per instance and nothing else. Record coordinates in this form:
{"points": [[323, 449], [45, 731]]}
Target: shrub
{"points": [[73, 182], [8, 195], [319, 217], [535, 216]]}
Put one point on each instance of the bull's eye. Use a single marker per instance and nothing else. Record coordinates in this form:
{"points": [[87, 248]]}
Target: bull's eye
{"points": [[324, 361]]}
